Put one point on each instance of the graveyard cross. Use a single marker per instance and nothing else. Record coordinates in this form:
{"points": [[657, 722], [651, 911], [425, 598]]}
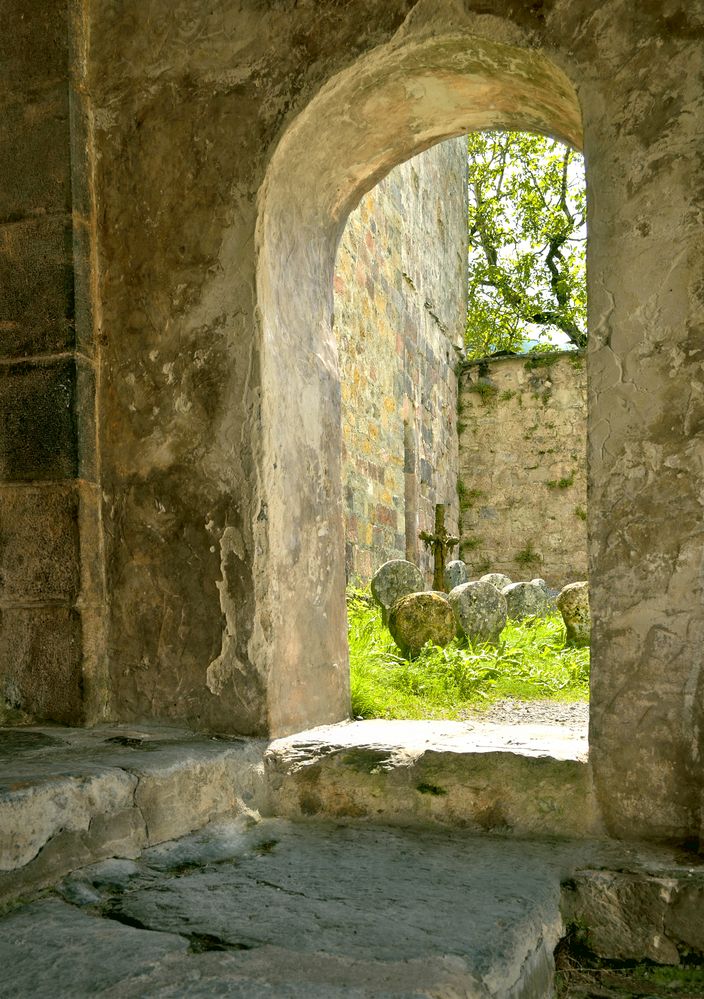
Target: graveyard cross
{"points": [[440, 543]]}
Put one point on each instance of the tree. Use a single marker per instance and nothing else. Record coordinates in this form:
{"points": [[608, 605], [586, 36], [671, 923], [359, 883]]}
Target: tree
{"points": [[527, 212]]}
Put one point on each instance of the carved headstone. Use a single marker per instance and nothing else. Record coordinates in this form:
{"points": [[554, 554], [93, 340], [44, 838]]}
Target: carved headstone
{"points": [[573, 604], [395, 579], [480, 610], [419, 618], [526, 600], [497, 579], [455, 574]]}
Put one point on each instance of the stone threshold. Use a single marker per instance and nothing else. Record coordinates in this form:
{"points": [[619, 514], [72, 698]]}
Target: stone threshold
{"points": [[70, 797], [522, 779]]}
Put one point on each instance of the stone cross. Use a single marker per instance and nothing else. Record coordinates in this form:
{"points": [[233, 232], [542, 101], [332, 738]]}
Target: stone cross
{"points": [[440, 543]]}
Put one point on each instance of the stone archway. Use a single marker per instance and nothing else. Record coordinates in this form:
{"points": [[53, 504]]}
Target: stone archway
{"points": [[398, 101]]}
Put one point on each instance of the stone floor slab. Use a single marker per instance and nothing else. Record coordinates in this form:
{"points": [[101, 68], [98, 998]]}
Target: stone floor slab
{"points": [[276, 908]]}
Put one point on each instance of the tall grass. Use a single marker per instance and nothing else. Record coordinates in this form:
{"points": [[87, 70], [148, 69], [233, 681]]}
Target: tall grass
{"points": [[531, 662]]}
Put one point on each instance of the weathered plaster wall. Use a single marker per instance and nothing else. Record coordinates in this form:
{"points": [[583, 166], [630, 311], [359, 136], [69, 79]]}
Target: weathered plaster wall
{"points": [[51, 606], [231, 142], [523, 476], [400, 306]]}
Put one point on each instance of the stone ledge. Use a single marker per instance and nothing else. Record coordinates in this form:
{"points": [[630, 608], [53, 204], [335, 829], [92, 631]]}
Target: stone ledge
{"points": [[70, 797], [528, 780]]}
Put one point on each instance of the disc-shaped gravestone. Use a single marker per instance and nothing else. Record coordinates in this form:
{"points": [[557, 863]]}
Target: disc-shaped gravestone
{"points": [[480, 610], [573, 604], [393, 580], [419, 618], [526, 600], [496, 579], [455, 574]]}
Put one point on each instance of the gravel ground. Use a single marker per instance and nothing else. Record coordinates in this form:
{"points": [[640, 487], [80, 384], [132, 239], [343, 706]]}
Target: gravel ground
{"points": [[572, 714]]}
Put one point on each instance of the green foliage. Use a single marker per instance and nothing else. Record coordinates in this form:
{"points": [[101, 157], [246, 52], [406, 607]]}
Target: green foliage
{"points": [[527, 211], [467, 497], [485, 390], [527, 556], [580, 512], [540, 361], [564, 483], [531, 662]]}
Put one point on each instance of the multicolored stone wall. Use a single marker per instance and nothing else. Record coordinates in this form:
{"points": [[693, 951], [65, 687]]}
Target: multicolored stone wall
{"points": [[523, 489], [400, 307]]}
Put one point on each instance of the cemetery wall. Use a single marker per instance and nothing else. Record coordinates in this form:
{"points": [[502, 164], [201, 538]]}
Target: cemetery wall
{"points": [[400, 307], [522, 451]]}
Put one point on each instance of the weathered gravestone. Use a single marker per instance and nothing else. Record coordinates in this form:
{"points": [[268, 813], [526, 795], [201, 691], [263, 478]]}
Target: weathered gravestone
{"points": [[455, 574], [419, 618], [395, 579], [573, 604], [480, 610], [497, 579], [526, 600]]}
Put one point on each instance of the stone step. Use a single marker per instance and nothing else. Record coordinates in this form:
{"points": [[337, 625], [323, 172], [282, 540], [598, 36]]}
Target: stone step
{"points": [[521, 779], [69, 797]]}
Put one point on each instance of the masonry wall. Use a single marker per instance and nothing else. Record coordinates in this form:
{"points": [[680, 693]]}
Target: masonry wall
{"points": [[522, 447], [400, 306], [50, 572]]}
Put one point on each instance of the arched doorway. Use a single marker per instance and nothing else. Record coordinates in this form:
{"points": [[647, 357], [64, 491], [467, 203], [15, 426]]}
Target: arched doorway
{"points": [[400, 100]]}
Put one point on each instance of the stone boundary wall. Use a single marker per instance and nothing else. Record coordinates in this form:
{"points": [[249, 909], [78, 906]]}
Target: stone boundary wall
{"points": [[522, 483], [400, 307]]}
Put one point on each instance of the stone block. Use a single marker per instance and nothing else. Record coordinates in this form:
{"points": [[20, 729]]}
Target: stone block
{"points": [[40, 663], [36, 172], [47, 421], [35, 51], [39, 544], [37, 421], [36, 287]]}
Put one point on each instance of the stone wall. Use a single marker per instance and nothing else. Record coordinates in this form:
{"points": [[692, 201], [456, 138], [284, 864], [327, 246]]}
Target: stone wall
{"points": [[400, 307], [231, 142], [523, 482], [51, 610]]}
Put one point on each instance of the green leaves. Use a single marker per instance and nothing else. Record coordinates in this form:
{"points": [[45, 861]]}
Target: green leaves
{"points": [[527, 239]]}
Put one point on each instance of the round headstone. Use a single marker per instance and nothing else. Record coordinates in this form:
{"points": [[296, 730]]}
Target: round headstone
{"points": [[419, 618], [395, 579], [480, 610], [455, 574], [496, 579], [526, 600], [573, 604]]}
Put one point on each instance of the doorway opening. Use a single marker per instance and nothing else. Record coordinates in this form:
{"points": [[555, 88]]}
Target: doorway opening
{"points": [[462, 379]]}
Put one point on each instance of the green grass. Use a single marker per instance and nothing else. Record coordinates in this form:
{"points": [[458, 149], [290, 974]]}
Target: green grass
{"points": [[530, 663]]}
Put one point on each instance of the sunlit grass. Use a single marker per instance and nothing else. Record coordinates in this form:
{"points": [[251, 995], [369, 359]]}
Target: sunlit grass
{"points": [[530, 663]]}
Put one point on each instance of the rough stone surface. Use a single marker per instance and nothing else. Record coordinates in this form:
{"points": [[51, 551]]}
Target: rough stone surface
{"points": [[497, 579], [419, 618], [523, 441], [455, 574], [299, 910], [519, 779], [393, 580], [525, 600], [573, 604], [400, 310], [210, 282], [636, 915], [71, 797], [480, 610]]}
